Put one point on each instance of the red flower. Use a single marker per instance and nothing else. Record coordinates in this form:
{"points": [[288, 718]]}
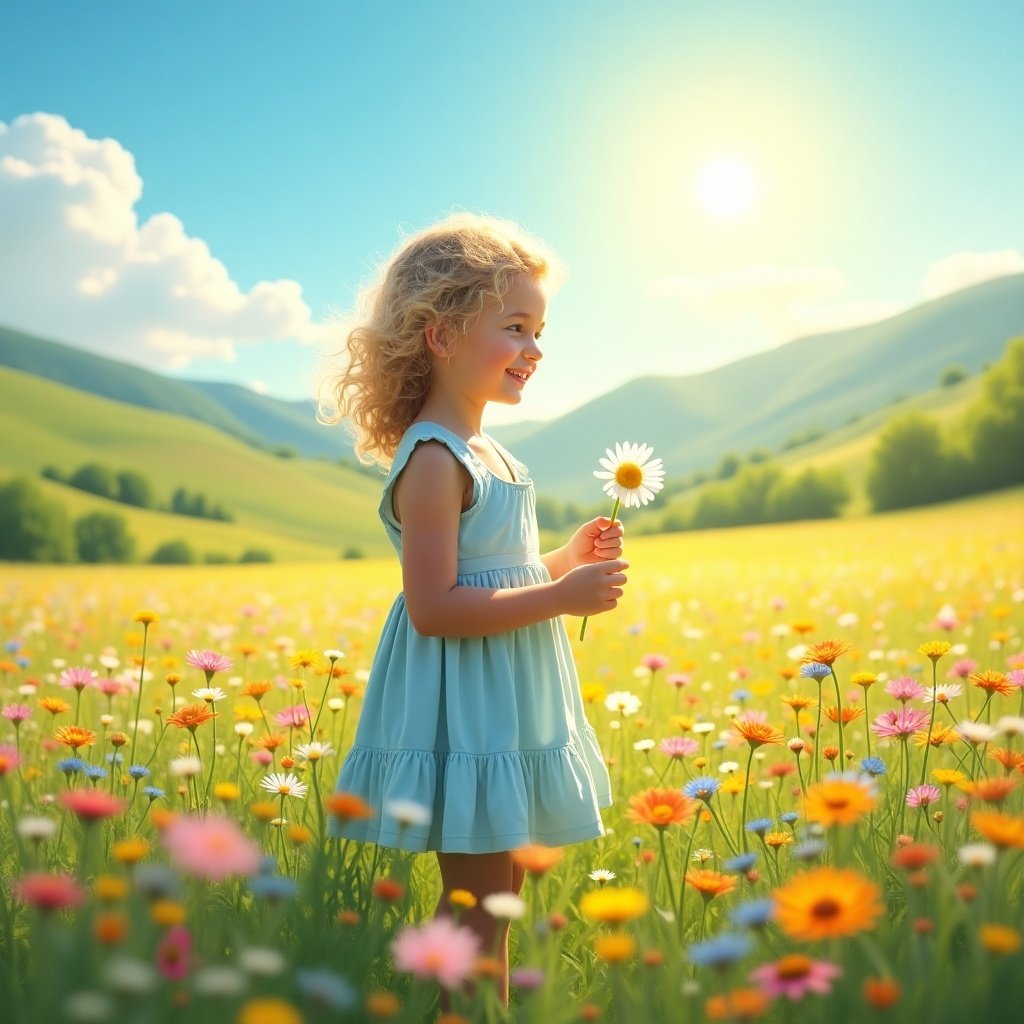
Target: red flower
{"points": [[91, 804], [48, 892]]}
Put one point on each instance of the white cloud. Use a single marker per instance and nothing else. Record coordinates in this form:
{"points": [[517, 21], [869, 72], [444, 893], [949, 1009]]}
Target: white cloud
{"points": [[260, 387], [963, 269], [76, 265]]}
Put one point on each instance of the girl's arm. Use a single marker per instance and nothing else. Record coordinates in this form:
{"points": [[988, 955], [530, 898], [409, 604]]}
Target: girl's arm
{"points": [[596, 541], [428, 497]]}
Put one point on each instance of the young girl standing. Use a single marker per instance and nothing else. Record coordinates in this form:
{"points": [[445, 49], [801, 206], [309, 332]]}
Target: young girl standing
{"points": [[472, 709]]}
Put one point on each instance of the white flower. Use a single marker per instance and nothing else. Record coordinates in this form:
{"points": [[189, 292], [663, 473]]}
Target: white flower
{"points": [[976, 732], [211, 694], [633, 478], [728, 767], [186, 767], [243, 728], [623, 701], [601, 875], [335, 703], [408, 813], [314, 751], [703, 855], [36, 828], [943, 693], [88, 1006], [261, 961], [703, 727], [976, 855], [1010, 725], [505, 905], [284, 784], [333, 655], [131, 976], [643, 745], [219, 981]]}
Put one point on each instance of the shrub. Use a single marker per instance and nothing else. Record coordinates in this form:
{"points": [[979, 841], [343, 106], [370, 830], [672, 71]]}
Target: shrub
{"points": [[256, 555], [33, 528], [173, 552], [104, 537]]}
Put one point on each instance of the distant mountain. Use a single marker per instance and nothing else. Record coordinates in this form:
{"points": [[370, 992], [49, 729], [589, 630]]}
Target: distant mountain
{"points": [[759, 402]]}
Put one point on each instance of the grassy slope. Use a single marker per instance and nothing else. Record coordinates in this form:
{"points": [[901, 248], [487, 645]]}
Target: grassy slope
{"points": [[292, 506]]}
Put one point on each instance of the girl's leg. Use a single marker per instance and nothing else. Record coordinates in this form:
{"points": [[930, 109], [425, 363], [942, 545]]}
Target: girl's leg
{"points": [[481, 874]]}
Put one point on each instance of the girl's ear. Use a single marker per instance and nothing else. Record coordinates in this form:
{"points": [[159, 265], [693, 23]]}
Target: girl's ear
{"points": [[438, 339]]}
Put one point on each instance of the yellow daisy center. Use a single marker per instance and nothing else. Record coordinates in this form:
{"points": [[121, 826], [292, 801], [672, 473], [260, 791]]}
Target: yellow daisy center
{"points": [[629, 474]]}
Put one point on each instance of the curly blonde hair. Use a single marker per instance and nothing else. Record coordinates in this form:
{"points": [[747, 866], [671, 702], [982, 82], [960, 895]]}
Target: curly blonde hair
{"points": [[443, 276]]}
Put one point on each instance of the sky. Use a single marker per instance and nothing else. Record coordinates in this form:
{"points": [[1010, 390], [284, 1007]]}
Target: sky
{"points": [[202, 187]]}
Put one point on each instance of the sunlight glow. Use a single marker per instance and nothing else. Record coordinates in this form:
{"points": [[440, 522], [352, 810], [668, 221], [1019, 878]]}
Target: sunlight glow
{"points": [[726, 187]]}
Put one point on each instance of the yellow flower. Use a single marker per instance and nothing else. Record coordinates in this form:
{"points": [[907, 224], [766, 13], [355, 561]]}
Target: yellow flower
{"points": [[613, 905], [268, 1010], [263, 810], [935, 649], [948, 776], [130, 851], [166, 913], [999, 938], [778, 838], [615, 948], [462, 898], [382, 1004], [226, 792], [593, 692], [110, 888], [146, 616], [298, 835]]}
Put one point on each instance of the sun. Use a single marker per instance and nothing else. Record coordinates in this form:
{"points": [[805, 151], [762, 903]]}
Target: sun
{"points": [[726, 187]]}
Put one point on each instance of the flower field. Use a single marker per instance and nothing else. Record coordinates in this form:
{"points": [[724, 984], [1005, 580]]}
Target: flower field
{"points": [[815, 734]]}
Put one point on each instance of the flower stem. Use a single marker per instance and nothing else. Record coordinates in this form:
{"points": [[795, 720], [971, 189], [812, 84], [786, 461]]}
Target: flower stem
{"points": [[615, 511]]}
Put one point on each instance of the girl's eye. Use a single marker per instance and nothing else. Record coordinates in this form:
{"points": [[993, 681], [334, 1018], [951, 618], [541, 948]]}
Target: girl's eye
{"points": [[518, 328]]}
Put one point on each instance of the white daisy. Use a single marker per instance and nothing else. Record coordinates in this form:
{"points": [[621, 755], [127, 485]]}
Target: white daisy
{"points": [[633, 478], [601, 876], [284, 784], [314, 751], [185, 767], [408, 813], [211, 694], [623, 701], [504, 905]]}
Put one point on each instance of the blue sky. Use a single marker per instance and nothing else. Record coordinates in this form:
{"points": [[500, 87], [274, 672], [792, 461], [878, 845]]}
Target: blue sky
{"points": [[295, 142]]}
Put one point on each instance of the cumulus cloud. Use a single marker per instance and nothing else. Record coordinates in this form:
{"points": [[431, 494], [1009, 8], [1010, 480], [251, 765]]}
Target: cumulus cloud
{"points": [[76, 264], [792, 302]]}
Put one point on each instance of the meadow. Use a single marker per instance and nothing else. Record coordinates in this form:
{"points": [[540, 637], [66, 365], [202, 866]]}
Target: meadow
{"points": [[814, 733]]}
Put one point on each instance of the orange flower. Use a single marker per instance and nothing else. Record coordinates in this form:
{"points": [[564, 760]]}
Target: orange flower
{"points": [[1003, 830], [110, 928], [1009, 759], [257, 689], [848, 714], [825, 652], [54, 705], [802, 626], [615, 947], [757, 733], [827, 903], [999, 938], [798, 702], [992, 682], [839, 801], [739, 1004], [661, 807], [273, 741], [710, 883], [881, 993], [191, 716], [994, 791], [942, 735], [348, 806], [75, 736], [536, 859]]}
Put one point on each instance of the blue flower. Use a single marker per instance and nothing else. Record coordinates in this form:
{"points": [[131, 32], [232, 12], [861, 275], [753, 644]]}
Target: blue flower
{"points": [[71, 765], [718, 745], [138, 771], [22, 662], [788, 817], [815, 670], [809, 849], [326, 989], [753, 914], [741, 864], [273, 888], [95, 771], [873, 765], [153, 792], [11, 646], [759, 825], [721, 951], [115, 758], [740, 695], [156, 881], [704, 787]]}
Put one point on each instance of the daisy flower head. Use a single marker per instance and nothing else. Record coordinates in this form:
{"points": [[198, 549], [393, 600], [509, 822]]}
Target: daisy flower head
{"points": [[210, 694], [623, 701], [314, 751], [632, 477], [284, 784]]}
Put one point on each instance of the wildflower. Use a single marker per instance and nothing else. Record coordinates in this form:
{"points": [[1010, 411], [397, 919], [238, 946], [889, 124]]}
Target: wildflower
{"points": [[873, 766], [904, 688], [257, 690], [77, 678], [284, 784], [721, 951], [661, 807], [129, 851], [314, 751], [614, 948], [935, 649], [209, 694], [173, 952], [846, 715], [90, 805], [219, 982], [710, 883], [865, 680], [504, 905], [48, 893], [825, 652], [536, 859], [881, 993], [613, 905], [261, 961], [633, 478], [9, 759], [212, 848], [777, 839], [839, 800], [741, 863], [992, 682], [348, 807], [753, 913], [622, 701], [273, 888], [922, 796], [999, 938], [268, 1010], [226, 792], [900, 723], [943, 693], [736, 1005], [527, 978], [293, 717], [54, 705], [993, 791], [325, 989], [185, 767], [210, 662], [408, 813], [462, 898], [794, 975], [827, 903], [678, 746], [438, 949], [602, 876], [976, 855], [1002, 830], [16, 713], [36, 829], [756, 733], [815, 670], [976, 733], [191, 716], [75, 736]]}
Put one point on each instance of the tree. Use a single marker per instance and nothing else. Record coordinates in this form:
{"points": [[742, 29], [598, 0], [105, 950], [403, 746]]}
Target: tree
{"points": [[813, 494], [173, 552], [728, 467], [256, 555], [995, 423], [909, 465], [94, 478], [33, 528], [714, 508], [134, 489], [749, 491], [952, 376], [104, 537]]}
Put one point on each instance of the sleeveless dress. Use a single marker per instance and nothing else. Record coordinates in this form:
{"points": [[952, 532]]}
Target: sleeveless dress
{"points": [[487, 734]]}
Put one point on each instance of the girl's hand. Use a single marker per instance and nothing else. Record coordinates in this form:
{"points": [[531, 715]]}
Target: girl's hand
{"points": [[592, 589], [596, 541]]}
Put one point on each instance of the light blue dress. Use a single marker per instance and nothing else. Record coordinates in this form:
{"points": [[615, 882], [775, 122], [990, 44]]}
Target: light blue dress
{"points": [[488, 734]]}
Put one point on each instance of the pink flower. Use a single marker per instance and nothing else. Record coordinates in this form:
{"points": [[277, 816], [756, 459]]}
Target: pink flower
{"points": [[77, 678], [209, 661], [1016, 677], [678, 680], [111, 687], [48, 892], [963, 668], [294, 717], [16, 713], [654, 661], [795, 975], [90, 805], [922, 796], [679, 746], [902, 723], [213, 847], [172, 955], [904, 688], [439, 949], [9, 759]]}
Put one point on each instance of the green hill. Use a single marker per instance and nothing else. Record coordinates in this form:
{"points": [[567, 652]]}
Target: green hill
{"points": [[293, 507]]}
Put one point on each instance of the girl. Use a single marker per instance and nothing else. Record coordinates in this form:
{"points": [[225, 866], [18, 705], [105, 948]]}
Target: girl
{"points": [[472, 740]]}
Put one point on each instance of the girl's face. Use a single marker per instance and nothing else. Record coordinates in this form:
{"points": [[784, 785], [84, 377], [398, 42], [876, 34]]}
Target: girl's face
{"points": [[496, 357]]}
